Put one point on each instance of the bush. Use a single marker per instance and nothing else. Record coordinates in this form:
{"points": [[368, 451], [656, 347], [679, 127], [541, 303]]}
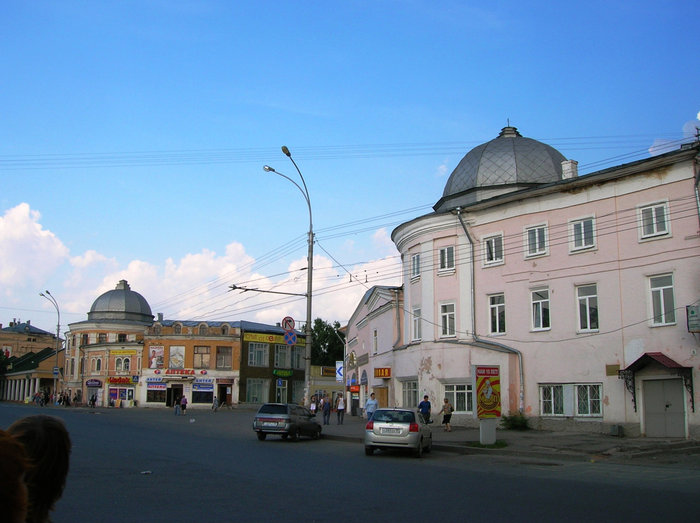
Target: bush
{"points": [[515, 422]]}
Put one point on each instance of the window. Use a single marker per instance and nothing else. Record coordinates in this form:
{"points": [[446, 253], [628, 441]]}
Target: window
{"points": [[540, 309], [582, 236], [177, 329], [493, 250], [96, 364], [587, 296], [409, 391], [257, 390], [536, 238], [416, 323], [258, 354], [415, 266], [375, 341], [224, 330], [121, 338], [101, 337], [653, 220], [282, 359], [460, 396], [588, 400], [203, 330], [447, 319], [297, 357], [497, 306], [84, 339], [122, 365], [663, 309], [551, 400], [201, 357], [157, 330], [223, 357], [447, 258]]}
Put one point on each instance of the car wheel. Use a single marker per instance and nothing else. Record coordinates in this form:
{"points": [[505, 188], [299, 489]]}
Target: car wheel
{"points": [[419, 450], [284, 436], [317, 434], [369, 451], [429, 446], [294, 434], [261, 436]]}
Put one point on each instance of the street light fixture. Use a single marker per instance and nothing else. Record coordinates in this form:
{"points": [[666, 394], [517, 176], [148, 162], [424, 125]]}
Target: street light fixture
{"points": [[309, 280], [53, 301]]}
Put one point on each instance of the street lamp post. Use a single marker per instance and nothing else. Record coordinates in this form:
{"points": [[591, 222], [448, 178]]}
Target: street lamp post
{"points": [[53, 301], [309, 279]]}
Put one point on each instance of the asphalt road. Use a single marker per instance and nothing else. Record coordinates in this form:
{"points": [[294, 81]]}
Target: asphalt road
{"points": [[148, 465]]}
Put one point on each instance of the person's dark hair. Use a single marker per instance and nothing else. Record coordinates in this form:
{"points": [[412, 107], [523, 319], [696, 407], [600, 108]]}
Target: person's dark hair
{"points": [[47, 444], [13, 490]]}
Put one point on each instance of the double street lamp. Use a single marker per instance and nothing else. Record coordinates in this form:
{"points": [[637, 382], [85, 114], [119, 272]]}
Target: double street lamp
{"points": [[53, 301], [309, 280]]}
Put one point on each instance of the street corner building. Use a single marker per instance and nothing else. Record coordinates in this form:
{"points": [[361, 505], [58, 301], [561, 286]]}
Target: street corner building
{"points": [[582, 290]]}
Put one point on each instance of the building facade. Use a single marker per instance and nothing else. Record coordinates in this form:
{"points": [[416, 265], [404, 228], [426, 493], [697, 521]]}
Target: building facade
{"points": [[576, 287]]}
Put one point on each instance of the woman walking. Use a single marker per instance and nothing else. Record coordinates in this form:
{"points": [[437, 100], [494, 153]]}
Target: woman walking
{"points": [[446, 411]]}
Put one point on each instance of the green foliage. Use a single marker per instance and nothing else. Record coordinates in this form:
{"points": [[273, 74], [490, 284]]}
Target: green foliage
{"points": [[515, 422], [327, 343]]}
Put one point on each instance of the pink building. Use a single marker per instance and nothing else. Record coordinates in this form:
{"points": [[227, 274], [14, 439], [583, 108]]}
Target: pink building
{"points": [[577, 287]]}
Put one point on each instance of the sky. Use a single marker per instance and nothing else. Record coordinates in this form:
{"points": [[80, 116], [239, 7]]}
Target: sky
{"points": [[133, 135]]}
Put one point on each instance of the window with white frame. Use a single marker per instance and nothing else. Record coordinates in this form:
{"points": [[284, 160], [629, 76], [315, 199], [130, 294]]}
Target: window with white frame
{"points": [[122, 364], [447, 319], [662, 302], [409, 393], [257, 390], [258, 354], [417, 321], [497, 308], [282, 360], [582, 234], [493, 250], [536, 240], [415, 266], [540, 309], [447, 258], [460, 396], [588, 400], [223, 357], [653, 220], [587, 296], [551, 400], [297, 357], [96, 365], [375, 341], [202, 357]]}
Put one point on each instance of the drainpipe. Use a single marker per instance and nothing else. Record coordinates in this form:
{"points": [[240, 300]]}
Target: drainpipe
{"points": [[398, 319], [487, 344]]}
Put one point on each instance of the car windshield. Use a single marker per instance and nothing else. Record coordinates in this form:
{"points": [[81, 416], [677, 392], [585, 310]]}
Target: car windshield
{"points": [[394, 416], [273, 409]]}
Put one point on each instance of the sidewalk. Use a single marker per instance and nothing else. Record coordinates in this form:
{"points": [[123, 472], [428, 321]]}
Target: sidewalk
{"points": [[568, 446]]}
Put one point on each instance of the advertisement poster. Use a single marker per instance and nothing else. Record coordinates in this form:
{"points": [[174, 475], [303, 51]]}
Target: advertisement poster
{"points": [[488, 391], [156, 357], [177, 357]]}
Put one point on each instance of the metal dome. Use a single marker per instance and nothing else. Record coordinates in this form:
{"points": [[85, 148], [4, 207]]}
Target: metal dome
{"points": [[121, 304], [509, 161]]}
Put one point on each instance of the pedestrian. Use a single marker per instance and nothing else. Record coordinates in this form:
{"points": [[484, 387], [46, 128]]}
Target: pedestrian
{"points": [[424, 408], [48, 446], [446, 411], [13, 469], [326, 411], [215, 405], [312, 407], [340, 408], [183, 404], [370, 406], [177, 405]]}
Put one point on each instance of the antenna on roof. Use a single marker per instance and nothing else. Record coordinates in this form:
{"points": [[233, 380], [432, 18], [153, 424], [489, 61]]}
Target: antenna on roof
{"points": [[508, 121]]}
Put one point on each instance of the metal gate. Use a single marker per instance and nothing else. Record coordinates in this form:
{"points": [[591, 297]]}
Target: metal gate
{"points": [[664, 409]]}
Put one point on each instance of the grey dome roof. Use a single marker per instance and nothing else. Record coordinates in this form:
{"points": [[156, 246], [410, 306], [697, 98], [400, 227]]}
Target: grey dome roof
{"points": [[508, 161], [121, 304]]}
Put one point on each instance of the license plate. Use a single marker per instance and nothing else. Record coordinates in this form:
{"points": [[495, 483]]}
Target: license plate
{"points": [[391, 431], [269, 424]]}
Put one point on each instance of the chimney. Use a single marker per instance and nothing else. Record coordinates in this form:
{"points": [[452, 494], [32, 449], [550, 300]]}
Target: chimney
{"points": [[569, 169], [160, 317]]}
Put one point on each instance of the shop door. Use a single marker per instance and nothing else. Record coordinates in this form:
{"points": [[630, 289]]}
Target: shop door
{"points": [[664, 412], [382, 396], [173, 393]]}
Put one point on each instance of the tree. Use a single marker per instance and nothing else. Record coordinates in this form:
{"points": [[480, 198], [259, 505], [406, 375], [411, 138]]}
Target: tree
{"points": [[327, 343]]}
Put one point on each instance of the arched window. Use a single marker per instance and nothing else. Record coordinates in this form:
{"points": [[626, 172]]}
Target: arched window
{"points": [[203, 330], [158, 329], [224, 330], [118, 365], [177, 328], [127, 364]]}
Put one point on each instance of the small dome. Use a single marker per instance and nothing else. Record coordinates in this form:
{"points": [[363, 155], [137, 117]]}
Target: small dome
{"points": [[506, 163], [121, 304]]}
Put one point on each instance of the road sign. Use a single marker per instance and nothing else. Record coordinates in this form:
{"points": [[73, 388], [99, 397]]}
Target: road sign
{"points": [[290, 338], [55, 371], [288, 323], [339, 371]]}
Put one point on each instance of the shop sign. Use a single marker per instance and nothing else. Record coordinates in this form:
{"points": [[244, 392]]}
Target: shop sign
{"points": [[180, 372], [156, 386], [354, 388], [269, 338], [122, 352], [93, 383], [204, 380], [202, 386], [284, 373], [328, 372], [157, 379], [225, 381], [382, 372], [121, 380]]}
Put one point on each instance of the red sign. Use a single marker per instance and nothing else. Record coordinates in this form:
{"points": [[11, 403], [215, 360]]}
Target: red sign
{"points": [[382, 372], [180, 372], [288, 323], [488, 392], [354, 388]]}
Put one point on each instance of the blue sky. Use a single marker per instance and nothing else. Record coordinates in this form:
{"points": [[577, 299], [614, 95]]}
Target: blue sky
{"points": [[133, 134]]}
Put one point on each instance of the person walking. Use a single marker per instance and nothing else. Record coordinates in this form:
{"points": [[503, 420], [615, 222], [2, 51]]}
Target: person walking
{"points": [[370, 406], [312, 407], [340, 408], [326, 411], [183, 404], [446, 411], [424, 408], [177, 405]]}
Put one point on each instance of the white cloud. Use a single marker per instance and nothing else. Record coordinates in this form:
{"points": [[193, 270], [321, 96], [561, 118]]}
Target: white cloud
{"points": [[690, 130], [442, 170]]}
